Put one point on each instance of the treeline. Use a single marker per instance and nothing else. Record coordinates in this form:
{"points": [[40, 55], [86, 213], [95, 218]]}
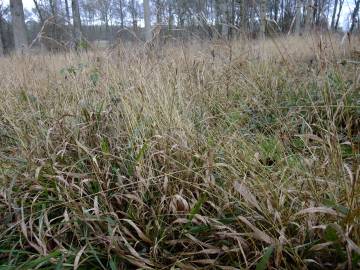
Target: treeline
{"points": [[55, 24]]}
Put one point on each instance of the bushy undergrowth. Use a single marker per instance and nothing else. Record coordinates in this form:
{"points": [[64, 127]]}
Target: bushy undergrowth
{"points": [[206, 155]]}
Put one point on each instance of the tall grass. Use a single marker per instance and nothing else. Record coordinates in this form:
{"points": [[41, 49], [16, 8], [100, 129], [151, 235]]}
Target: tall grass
{"points": [[204, 155]]}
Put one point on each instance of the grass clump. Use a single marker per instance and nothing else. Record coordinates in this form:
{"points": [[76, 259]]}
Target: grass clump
{"points": [[194, 159]]}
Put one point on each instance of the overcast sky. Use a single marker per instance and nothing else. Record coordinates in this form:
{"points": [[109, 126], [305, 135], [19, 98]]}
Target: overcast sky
{"points": [[348, 6], [28, 4]]}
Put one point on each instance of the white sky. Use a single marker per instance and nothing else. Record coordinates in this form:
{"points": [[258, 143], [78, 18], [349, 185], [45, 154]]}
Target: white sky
{"points": [[348, 6], [28, 4]]}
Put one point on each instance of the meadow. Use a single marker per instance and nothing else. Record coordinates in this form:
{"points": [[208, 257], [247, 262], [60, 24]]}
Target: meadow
{"points": [[191, 155]]}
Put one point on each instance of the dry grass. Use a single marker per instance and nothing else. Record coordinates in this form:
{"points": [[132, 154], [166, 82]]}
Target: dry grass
{"points": [[195, 156]]}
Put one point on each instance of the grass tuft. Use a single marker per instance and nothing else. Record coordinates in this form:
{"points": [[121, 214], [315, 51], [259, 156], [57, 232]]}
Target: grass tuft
{"points": [[196, 159]]}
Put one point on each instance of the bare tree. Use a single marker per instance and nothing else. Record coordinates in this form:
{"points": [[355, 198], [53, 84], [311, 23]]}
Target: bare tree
{"points": [[38, 10], [232, 19], [54, 5], [1, 46], [1, 31], [147, 20], [308, 17], [262, 18], [338, 15], [243, 17], [276, 10], [105, 10], [121, 13], [354, 16], [76, 23], [298, 17], [224, 22], [134, 13], [159, 11], [170, 15], [19, 27], [67, 11], [334, 14]]}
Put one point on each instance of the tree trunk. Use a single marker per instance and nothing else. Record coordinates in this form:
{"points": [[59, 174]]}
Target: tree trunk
{"points": [[55, 13], [180, 14], [1, 44], [76, 23], [282, 15], [231, 30], [298, 17], [158, 12], [121, 13], [333, 15], [243, 18], [147, 20], [262, 18], [1, 36], [224, 21], [133, 15], [218, 16], [54, 5], [39, 11], [42, 21], [171, 16], [276, 10], [354, 16], [319, 11], [107, 31], [315, 10], [308, 18], [67, 10], [19, 27], [339, 13], [252, 15]]}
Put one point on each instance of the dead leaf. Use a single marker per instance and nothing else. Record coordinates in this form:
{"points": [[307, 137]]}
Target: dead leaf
{"points": [[321, 209], [247, 195], [78, 256], [258, 233]]}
